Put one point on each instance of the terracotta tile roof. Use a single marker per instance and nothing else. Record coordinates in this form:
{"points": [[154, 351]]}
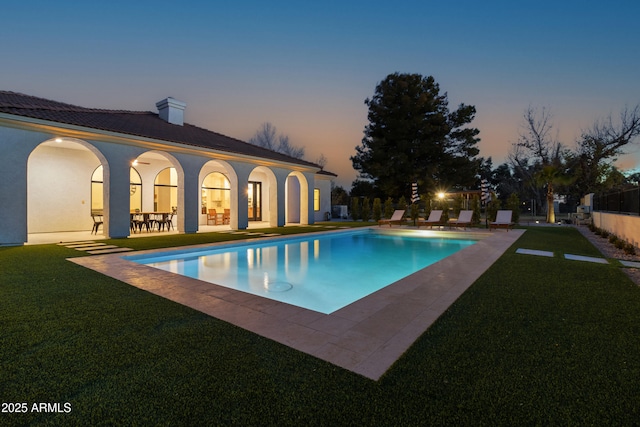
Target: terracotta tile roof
{"points": [[136, 123]]}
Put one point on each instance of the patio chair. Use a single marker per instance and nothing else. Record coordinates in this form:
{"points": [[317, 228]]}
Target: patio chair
{"points": [[137, 221], [503, 220], [464, 219], [145, 220], [97, 222], [212, 216], [435, 218], [226, 217], [396, 218], [166, 220]]}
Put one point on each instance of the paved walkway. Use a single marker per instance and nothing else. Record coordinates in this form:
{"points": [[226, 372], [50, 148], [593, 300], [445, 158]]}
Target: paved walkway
{"points": [[365, 337]]}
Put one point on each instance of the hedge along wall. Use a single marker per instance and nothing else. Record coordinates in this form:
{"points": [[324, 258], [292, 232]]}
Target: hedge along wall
{"points": [[626, 227]]}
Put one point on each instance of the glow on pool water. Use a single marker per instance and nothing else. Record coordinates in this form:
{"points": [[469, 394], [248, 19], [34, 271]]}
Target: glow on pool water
{"points": [[318, 272]]}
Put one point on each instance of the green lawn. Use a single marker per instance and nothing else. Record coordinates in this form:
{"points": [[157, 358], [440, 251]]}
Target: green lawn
{"points": [[535, 341]]}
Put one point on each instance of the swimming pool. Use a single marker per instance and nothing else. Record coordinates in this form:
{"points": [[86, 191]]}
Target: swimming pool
{"points": [[320, 272]]}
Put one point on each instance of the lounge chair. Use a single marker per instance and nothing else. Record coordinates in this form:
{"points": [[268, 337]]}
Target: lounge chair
{"points": [[464, 219], [503, 220], [396, 218], [435, 218]]}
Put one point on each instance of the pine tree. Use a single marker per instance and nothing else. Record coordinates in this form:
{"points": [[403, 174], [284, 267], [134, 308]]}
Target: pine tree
{"points": [[413, 137]]}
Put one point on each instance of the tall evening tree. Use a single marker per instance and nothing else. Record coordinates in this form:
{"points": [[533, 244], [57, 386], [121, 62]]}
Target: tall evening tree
{"points": [[267, 137], [599, 147], [413, 137], [536, 148], [539, 158]]}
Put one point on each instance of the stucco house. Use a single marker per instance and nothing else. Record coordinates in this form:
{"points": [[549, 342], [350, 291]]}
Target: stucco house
{"points": [[61, 163]]}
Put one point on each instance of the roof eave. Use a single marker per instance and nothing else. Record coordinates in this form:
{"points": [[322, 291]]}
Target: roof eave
{"points": [[82, 132]]}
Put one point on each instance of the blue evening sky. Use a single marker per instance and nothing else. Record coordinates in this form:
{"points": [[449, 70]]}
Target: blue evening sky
{"points": [[307, 67]]}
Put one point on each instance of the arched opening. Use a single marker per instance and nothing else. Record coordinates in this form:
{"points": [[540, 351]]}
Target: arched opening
{"points": [[297, 199], [219, 191], [97, 191], [215, 199], [58, 192], [162, 180], [262, 196]]}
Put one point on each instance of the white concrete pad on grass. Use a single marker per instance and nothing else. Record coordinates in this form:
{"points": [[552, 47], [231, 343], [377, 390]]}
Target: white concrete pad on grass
{"points": [[81, 245], [631, 264], [586, 258], [94, 247], [79, 242], [109, 251], [534, 252]]}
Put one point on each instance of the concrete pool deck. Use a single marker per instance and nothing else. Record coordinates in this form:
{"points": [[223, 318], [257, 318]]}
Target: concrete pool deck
{"points": [[365, 337]]}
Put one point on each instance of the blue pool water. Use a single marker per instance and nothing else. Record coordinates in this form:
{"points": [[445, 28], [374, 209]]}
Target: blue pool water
{"points": [[318, 272]]}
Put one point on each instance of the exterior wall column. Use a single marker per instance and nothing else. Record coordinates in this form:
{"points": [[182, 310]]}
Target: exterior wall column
{"points": [[189, 188], [17, 145], [309, 215], [280, 195], [239, 197], [117, 214]]}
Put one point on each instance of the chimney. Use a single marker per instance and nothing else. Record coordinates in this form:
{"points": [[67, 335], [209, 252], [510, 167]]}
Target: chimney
{"points": [[171, 110]]}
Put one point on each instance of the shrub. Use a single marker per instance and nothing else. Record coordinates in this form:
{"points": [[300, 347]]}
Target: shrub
{"points": [[365, 212], [377, 209], [620, 244], [444, 205], [402, 203], [388, 207], [629, 248], [414, 212], [513, 204], [493, 207], [604, 233], [355, 208], [613, 238], [475, 207], [458, 203]]}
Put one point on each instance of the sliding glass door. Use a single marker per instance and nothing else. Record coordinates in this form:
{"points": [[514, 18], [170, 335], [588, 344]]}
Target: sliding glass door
{"points": [[255, 200]]}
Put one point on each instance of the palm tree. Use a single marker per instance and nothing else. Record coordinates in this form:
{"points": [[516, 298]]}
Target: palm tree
{"points": [[552, 175]]}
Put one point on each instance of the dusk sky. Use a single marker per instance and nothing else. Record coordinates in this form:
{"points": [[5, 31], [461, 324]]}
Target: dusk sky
{"points": [[307, 67]]}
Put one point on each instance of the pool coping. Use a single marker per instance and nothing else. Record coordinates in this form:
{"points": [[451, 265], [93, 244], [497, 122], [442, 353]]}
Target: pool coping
{"points": [[365, 337]]}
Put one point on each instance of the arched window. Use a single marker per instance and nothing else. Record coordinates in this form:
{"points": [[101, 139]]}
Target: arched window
{"points": [[97, 202], [135, 190], [97, 190], [216, 193], [165, 191]]}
